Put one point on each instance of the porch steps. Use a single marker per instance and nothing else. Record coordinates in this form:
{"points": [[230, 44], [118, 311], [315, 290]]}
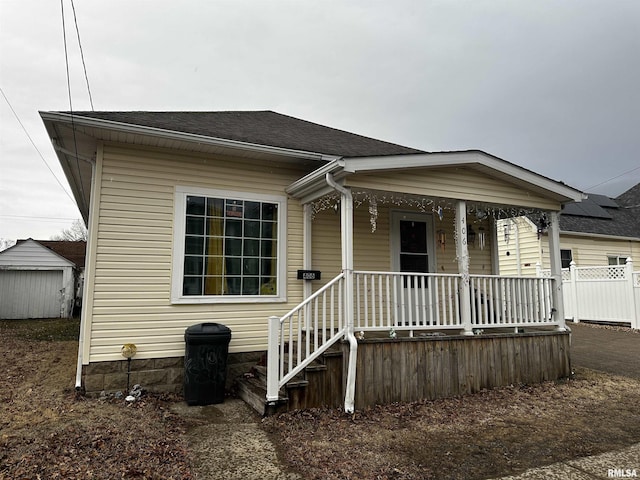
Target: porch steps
{"points": [[320, 384]]}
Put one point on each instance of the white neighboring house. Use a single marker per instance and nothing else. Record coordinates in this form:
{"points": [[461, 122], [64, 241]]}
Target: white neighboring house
{"points": [[598, 236], [38, 282], [598, 231]]}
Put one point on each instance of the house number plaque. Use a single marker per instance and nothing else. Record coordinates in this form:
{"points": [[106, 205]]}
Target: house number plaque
{"points": [[308, 274]]}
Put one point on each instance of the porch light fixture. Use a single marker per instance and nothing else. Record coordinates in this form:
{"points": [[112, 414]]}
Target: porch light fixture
{"points": [[543, 225]]}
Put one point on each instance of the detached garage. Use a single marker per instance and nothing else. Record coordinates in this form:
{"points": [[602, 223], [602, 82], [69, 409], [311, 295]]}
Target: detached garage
{"points": [[37, 282]]}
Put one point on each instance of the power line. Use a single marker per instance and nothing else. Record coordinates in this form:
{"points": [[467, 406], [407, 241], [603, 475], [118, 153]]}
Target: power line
{"points": [[34, 145], [75, 20], [73, 125], [32, 217], [612, 178]]}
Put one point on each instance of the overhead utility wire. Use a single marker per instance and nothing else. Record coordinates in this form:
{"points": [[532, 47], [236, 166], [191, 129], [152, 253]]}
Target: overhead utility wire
{"points": [[75, 20], [612, 178], [34, 145], [73, 125]]}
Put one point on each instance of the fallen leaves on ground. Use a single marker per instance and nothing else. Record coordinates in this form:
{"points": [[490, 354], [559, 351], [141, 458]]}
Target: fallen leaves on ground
{"points": [[489, 434]]}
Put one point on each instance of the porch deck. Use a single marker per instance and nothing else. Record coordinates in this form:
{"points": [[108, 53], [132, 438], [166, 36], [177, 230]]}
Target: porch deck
{"points": [[425, 366], [418, 338]]}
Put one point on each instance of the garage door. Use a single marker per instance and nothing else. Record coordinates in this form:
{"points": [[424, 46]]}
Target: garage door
{"points": [[30, 293]]}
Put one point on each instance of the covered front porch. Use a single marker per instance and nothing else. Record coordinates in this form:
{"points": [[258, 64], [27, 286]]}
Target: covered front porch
{"points": [[416, 272]]}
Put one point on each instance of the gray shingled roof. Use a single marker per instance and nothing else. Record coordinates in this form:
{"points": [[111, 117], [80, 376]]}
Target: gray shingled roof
{"points": [[259, 127], [603, 215]]}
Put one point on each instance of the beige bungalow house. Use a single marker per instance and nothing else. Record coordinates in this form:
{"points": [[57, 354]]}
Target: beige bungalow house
{"points": [[362, 271]]}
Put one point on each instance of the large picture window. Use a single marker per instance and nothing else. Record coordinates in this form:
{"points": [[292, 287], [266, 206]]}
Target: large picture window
{"points": [[229, 246]]}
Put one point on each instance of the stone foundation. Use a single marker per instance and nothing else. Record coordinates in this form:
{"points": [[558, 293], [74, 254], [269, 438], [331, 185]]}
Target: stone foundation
{"points": [[154, 375]]}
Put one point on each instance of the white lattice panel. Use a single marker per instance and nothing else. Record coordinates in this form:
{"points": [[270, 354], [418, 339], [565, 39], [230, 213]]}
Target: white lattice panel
{"points": [[601, 273]]}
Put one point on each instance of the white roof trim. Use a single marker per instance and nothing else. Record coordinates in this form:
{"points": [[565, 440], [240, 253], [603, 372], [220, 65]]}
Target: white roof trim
{"points": [[311, 186], [449, 159], [79, 120], [599, 235]]}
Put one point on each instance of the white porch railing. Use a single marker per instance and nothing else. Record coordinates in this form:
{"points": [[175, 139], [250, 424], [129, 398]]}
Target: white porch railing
{"points": [[416, 301], [303, 334], [511, 301], [406, 301], [400, 301]]}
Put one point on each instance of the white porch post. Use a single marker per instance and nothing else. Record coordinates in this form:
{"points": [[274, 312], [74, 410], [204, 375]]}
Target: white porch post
{"points": [[273, 367], [556, 269], [462, 252], [307, 288], [346, 227]]}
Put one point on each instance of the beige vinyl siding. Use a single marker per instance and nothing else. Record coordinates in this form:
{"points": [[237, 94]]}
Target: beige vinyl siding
{"points": [[523, 247], [593, 251], [134, 245], [455, 183], [372, 250]]}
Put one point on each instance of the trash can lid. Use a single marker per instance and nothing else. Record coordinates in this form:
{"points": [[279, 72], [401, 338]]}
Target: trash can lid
{"points": [[212, 329]]}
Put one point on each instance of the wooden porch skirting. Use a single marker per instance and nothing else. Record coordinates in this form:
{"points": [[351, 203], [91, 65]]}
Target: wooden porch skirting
{"points": [[409, 369]]}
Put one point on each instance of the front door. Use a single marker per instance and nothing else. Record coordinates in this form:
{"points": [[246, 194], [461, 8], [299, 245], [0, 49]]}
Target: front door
{"points": [[412, 252]]}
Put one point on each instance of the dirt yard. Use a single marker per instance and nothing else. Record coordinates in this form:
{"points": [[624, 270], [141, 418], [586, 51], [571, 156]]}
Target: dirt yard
{"points": [[46, 431]]}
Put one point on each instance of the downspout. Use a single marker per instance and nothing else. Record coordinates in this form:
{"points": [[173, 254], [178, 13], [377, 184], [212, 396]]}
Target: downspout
{"points": [[346, 218], [85, 284]]}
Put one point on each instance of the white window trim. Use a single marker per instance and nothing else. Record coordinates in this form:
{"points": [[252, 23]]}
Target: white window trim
{"points": [[179, 222], [618, 258]]}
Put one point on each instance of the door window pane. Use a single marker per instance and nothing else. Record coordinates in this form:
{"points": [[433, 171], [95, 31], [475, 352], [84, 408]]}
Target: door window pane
{"points": [[413, 237]]}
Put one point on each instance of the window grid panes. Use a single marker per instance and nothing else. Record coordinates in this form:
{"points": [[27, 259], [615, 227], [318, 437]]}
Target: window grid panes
{"points": [[230, 247]]}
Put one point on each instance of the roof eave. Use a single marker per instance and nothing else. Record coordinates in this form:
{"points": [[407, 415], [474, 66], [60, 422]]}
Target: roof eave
{"points": [[313, 186], [66, 118]]}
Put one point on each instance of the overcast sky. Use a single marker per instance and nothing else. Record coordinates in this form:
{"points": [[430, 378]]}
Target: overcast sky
{"points": [[553, 86]]}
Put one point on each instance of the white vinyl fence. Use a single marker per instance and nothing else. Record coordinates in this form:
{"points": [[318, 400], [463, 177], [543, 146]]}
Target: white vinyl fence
{"points": [[602, 294]]}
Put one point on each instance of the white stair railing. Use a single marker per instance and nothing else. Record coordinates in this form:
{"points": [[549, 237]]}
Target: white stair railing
{"points": [[303, 334]]}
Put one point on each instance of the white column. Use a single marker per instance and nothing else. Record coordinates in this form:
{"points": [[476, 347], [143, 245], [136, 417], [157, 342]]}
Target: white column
{"points": [[273, 370], [556, 269], [462, 253], [307, 288]]}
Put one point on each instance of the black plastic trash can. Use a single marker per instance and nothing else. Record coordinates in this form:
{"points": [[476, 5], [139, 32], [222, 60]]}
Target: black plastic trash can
{"points": [[205, 363]]}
